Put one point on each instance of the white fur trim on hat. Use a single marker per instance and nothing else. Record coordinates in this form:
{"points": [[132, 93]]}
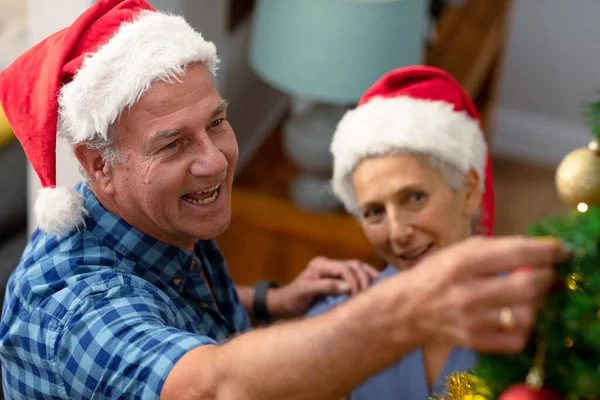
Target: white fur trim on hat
{"points": [[59, 210], [387, 125], [154, 46]]}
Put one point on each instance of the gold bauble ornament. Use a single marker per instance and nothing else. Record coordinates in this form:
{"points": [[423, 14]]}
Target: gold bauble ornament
{"points": [[578, 176]]}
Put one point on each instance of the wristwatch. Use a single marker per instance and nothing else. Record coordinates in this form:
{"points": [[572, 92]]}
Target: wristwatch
{"points": [[259, 302]]}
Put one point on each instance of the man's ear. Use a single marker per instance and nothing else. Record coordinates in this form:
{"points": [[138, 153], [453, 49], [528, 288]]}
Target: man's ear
{"points": [[472, 193], [97, 170]]}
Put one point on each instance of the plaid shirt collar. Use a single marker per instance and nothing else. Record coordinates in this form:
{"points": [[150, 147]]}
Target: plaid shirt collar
{"points": [[152, 257]]}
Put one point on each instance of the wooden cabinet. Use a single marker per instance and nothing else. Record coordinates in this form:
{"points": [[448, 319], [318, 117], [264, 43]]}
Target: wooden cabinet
{"points": [[270, 238]]}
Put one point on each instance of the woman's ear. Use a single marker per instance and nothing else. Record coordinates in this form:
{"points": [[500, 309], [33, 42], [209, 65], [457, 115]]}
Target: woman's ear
{"points": [[472, 193], [97, 170]]}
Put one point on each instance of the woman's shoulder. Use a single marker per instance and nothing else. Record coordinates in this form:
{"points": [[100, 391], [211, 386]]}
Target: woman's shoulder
{"points": [[326, 303], [387, 272]]}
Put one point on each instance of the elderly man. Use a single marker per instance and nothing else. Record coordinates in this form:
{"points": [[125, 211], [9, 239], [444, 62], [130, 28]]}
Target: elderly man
{"points": [[122, 292]]}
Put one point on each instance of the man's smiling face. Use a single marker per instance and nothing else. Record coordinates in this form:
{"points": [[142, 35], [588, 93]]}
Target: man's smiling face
{"points": [[180, 155]]}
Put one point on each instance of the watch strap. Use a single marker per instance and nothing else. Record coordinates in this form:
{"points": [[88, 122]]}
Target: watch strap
{"points": [[259, 302]]}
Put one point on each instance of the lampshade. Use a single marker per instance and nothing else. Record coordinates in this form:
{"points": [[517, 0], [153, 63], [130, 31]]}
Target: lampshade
{"points": [[333, 50]]}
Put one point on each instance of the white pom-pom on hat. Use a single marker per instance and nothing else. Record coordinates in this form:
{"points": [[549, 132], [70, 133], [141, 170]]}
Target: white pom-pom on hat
{"points": [[59, 210]]}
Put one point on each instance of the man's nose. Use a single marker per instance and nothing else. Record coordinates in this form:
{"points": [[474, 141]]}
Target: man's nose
{"points": [[208, 159]]}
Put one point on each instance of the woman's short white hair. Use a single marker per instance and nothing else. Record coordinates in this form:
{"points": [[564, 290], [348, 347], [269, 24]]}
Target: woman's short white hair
{"points": [[453, 177], [451, 174]]}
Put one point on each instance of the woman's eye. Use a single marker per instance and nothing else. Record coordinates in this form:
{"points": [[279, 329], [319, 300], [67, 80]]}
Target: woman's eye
{"points": [[217, 122], [417, 197], [372, 213]]}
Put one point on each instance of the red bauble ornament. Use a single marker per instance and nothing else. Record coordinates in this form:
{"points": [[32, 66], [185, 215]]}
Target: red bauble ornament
{"points": [[523, 392]]}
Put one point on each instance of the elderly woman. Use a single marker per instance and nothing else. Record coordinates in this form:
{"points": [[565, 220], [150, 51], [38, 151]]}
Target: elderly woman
{"points": [[411, 163]]}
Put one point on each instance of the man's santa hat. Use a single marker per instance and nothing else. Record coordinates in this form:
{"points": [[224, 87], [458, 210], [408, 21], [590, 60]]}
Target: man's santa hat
{"points": [[418, 109], [75, 84]]}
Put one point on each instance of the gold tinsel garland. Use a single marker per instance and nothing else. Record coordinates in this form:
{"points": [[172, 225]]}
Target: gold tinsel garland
{"points": [[464, 386]]}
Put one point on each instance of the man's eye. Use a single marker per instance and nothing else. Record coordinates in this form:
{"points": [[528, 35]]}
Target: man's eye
{"points": [[217, 122], [173, 144]]}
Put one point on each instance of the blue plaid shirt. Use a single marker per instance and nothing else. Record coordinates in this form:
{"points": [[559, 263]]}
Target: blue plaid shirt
{"points": [[107, 311]]}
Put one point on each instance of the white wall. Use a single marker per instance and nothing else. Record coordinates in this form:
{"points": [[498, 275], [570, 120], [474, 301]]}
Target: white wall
{"points": [[551, 65], [38, 27], [255, 108], [12, 30]]}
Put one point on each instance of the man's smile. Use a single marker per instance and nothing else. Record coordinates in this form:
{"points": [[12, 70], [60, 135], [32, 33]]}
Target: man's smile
{"points": [[204, 196]]}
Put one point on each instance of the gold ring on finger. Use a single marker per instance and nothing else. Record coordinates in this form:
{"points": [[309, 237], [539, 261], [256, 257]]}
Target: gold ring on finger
{"points": [[507, 319]]}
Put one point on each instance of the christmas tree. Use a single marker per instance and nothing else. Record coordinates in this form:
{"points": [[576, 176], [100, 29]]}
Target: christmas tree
{"points": [[562, 359]]}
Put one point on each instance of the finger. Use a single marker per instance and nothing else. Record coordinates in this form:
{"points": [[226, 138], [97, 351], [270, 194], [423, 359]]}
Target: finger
{"points": [[327, 268], [524, 287], [489, 320], [361, 274], [351, 272], [319, 266], [493, 342], [327, 287], [371, 271], [498, 342], [339, 269], [481, 255]]}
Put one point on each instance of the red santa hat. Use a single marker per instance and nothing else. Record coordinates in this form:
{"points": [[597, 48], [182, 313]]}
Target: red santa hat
{"points": [[418, 109], [75, 84]]}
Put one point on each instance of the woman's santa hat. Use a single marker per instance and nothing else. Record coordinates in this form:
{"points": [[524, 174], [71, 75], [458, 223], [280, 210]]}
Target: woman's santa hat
{"points": [[76, 83], [419, 109]]}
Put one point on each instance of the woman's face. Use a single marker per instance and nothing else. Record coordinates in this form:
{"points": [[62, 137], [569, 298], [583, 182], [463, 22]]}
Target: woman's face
{"points": [[407, 210]]}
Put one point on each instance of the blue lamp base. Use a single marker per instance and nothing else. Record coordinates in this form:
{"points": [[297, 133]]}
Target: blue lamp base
{"points": [[312, 193]]}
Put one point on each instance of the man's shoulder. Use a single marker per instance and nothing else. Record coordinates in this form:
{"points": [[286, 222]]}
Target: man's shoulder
{"points": [[55, 272], [65, 255]]}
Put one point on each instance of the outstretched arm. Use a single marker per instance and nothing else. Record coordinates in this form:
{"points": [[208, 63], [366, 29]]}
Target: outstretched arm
{"points": [[454, 296], [321, 358]]}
